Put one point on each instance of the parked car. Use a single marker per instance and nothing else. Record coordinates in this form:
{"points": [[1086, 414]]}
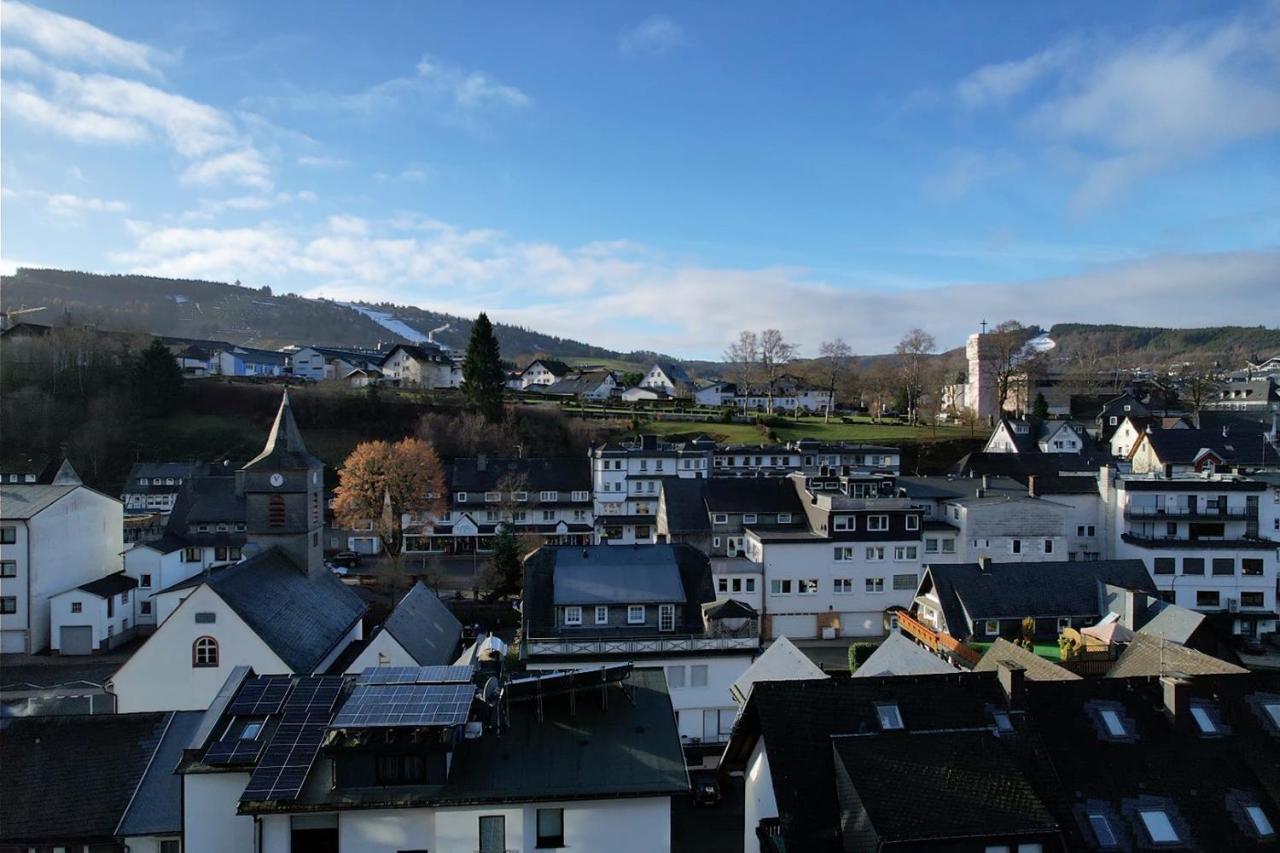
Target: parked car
{"points": [[706, 788], [346, 559]]}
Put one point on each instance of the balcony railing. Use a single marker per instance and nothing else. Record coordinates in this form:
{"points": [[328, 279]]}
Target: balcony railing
{"points": [[649, 645], [936, 641], [1235, 513], [1255, 543]]}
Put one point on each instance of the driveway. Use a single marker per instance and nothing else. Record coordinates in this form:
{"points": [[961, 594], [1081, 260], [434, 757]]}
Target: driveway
{"points": [[709, 829]]}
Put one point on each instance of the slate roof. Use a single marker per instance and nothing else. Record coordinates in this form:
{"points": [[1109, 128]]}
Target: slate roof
{"points": [[602, 581], [1148, 655], [782, 661], [206, 499], [754, 494], [1181, 446], [425, 627], [798, 718], [584, 382], [540, 568], [685, 504], [300, 617], [1020, 466], [156, 808], [70, 778], [1017, 590], [731, 609], [556, 368], [563, 474], [1176, 624], [675, 372], [24, 501], [924, 787], [1035, 667], [284, 448], [423, 351], [899, 655], [112, 584], [157, 470]]}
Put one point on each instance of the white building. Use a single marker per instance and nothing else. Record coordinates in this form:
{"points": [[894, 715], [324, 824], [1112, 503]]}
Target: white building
{"points": [[670, 378], [321, 363], [52, 538], [544, 372], [626, 480], [95, 616], [420, 631], [422, 365]]}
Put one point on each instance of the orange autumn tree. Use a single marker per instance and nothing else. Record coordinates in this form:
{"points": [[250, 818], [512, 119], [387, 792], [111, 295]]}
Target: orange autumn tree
{"points": [[379, 482]]}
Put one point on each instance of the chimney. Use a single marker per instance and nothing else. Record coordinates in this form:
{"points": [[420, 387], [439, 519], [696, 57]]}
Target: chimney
{"points": [[1176, 693], [1012, 678], [1031, 486], [984, 564], [985, 484]]}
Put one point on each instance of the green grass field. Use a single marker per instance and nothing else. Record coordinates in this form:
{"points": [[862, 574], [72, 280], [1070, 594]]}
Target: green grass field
{"points": [[806, 428], [1048, 651]]}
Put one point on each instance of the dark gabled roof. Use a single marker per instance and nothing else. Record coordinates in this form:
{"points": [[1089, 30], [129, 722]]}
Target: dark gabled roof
{"points": [[1024, 441], [583, 382], [112, 584], [156, 808], [206, 500], [70, 778], [1018, 590], [942, 785], [675, 372], [157, 470], [731, 609], [552, 474], [754, 494], [424, 627], [1020, 466], [1148, 654], [300, 617], [685, 504], [798, 718], [1035, 667], [692, 566], [1181, 446], [284, 447], [424, 351], [554, 367]]}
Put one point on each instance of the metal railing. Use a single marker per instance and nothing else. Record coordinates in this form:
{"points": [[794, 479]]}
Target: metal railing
{"points": [[1235, 513], [639, 645], [935, 641]]}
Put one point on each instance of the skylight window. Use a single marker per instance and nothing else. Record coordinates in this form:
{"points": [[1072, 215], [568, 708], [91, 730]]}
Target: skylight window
{"points": [[1114, 725], [1158, 826], [1003, 723], [1102, 830], [1203, 721], [1261, 823], [890, 718], [1273, 711], [251, 730]]}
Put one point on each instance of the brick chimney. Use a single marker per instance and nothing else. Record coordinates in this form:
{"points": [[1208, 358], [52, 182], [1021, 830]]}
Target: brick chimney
{"points": [[1012, 677], [1031, 486], [1176, 693]]}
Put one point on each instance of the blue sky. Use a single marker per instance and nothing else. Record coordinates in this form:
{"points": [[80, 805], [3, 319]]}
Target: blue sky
{"points": [[662, 176]]}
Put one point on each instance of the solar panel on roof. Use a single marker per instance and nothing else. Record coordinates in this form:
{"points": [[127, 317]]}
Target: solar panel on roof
{"points": [[378, 705], [415, 675], [233, 751], [285, 763], [261, 696]]}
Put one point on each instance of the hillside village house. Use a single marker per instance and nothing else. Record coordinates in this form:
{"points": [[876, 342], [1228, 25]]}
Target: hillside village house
{"points": [[424, 365], [279, 610], [596, 384], [1020, 436], [1253, 395], [247, 361], [421, 631], [625, 481], [670, 378], [52, 537], [1172, 452], [652, 605], [544, 371], [321, 363], [152, 487], [95, 616]]}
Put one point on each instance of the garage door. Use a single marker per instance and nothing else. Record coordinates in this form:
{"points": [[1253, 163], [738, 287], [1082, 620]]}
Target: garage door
{"points": [[77, 639], [795, 627]]}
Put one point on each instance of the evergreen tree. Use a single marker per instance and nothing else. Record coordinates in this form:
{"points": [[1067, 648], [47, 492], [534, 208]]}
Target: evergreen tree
{"points": [[483, 379], [504, 575], [157, 379], [1040, 408]]}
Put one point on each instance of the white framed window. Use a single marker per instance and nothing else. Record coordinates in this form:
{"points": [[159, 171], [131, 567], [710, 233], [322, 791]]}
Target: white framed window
{"points": [[905, 582], [698, 675], [573, 615], [715, 541], [889, 716], [1102, 831], [784, 518], [780, 586], [722, 584], [1261, 823], [666, 617], [842, 586], [581, 496], [548, 515], [1112, 723], [461, 497], [991, 627], [1158, 826], [77, 607], [875, 552], [492, 497], [519, 496], [635, 614], [748, 584], [549, 496], [749, 518], [874, 585], [878, 523], [843, 553], [675, 676], [913, 522], [1048, 546], [948, 546], [720, 518], [905, 552], [807, 586], [602, 614], [843, 522], [931, 546]]}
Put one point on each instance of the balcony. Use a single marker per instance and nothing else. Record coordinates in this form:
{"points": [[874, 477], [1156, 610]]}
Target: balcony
{"points": [[935, 641], [746, 637], [1235, 513], [1247, 543]]}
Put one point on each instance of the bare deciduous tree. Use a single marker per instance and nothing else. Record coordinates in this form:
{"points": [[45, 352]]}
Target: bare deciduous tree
{"points": [[1199, 383], [775, 355], [834, 358], [742, 356], [913, 354], [1012, 366]]}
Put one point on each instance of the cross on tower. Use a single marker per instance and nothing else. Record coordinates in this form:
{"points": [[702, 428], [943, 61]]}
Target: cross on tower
{"points": [[984, 327]]}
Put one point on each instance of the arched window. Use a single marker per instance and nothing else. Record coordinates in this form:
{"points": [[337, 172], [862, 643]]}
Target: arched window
{"points": [[204, 652]]}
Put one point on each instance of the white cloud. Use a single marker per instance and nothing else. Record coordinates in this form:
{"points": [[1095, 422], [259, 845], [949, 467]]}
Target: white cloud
{"points": [[1143, 106], [655, 35], [73, 40], [78, 124], [245, 166], [67, 205], [412, 175], [321, 161], [964, 170], [619, 294]]}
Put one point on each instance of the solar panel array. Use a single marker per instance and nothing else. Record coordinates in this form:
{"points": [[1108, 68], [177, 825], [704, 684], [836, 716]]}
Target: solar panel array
{"points": [[261, 696], [379, 705], [287, 760], [415, 675], [234, 751]]}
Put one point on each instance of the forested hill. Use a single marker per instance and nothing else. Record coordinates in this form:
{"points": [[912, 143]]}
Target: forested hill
{"points": [[251, 316], [1162, 346]]}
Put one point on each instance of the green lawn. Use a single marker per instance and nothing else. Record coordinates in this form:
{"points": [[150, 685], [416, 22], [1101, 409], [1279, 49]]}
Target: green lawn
{"points": [[805, 428], [1048, 651]]}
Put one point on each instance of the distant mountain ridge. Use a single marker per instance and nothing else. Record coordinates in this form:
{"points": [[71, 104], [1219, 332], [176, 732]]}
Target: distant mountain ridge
{"points": [[255, 316]]}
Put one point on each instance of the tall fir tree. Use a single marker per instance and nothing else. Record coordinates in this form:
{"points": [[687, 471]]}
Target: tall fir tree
{"points": [[157, 379], [483, 379]]}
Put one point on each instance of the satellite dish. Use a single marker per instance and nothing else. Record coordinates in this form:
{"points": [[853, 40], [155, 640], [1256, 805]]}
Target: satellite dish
{"points": [[491, 691]]}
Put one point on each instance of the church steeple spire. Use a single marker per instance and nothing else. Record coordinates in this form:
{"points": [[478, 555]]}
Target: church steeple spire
{"points": [[284, 447]]}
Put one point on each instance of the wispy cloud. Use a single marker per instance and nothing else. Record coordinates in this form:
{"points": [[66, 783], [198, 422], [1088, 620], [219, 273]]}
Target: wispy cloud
{"points": [[655, 35], [68, 205], [963, 170], [411, 175], [1131, 109], [76, 41], [624, 290], [322, 161]]}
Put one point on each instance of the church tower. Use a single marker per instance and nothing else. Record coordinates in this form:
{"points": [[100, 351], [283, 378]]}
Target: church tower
{"points": [[980, 387], [283, 488]]}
